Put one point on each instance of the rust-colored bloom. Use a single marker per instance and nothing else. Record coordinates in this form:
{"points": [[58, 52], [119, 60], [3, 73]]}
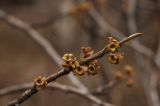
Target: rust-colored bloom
{"points": [[115, 58], [85, 6], [86, 52], [66, 65], [128, 70], [111, 39], [74, 64], [95, 63], [86, 49], [78, 71], [73, 11], [113, 46], [40, 82], [118, 75], [81, 7], [130, 82], [68, 57], [92, 70]]}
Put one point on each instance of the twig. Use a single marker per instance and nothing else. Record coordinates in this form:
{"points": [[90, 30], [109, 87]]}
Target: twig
{"points": [[131, 16], [153, 90], [50, 21], [153, 98], [61, 73], [157, 57], [102, 52], [129, 38], [55, 86], [39, 39], [107, 87]]}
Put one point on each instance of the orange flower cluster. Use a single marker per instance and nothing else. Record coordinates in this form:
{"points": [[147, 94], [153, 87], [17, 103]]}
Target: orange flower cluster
{"points": [[129, 74], [114, 56], [72, 63]]}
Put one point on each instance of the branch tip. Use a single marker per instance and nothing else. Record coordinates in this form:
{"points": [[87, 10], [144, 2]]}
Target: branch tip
{"points": [[129, 38]]}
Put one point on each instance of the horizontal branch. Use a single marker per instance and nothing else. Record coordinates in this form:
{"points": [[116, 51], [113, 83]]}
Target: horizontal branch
{"points": [[66, 71], [54, 86]]}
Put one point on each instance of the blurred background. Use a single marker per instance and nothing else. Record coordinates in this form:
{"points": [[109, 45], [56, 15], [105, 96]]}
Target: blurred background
{"points": [[67, 29]]}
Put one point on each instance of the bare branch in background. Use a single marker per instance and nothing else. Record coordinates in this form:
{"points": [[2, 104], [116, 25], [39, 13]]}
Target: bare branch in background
{"points": [[39, 39], [149, 86], [157, 57], [50, 21], [55, 86], [153, 89], [107, 87], [28, 93], [131, 16], [108, 28]]}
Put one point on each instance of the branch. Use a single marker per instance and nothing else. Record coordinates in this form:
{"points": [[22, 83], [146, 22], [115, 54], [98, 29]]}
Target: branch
{"points": [[131, 16], [157, 57], [102, 52], [153, 98], [40, 40], [28, 93], [107, 87], [153, 89], [55, 86]]}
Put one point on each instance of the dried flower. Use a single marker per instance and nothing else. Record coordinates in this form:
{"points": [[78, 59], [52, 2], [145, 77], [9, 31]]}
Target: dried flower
{"points": [[128, 70], [78, 71], [85, 6], [95, 63], [92, 70], [115, 58], [93, 67], [111, 39], [118, 75], [74, 64], [112, 47], [73, 11], [130, 82], [66, 65], [81, 7], [86, 49], [68, 57], [40, 82], [86, 52]]}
